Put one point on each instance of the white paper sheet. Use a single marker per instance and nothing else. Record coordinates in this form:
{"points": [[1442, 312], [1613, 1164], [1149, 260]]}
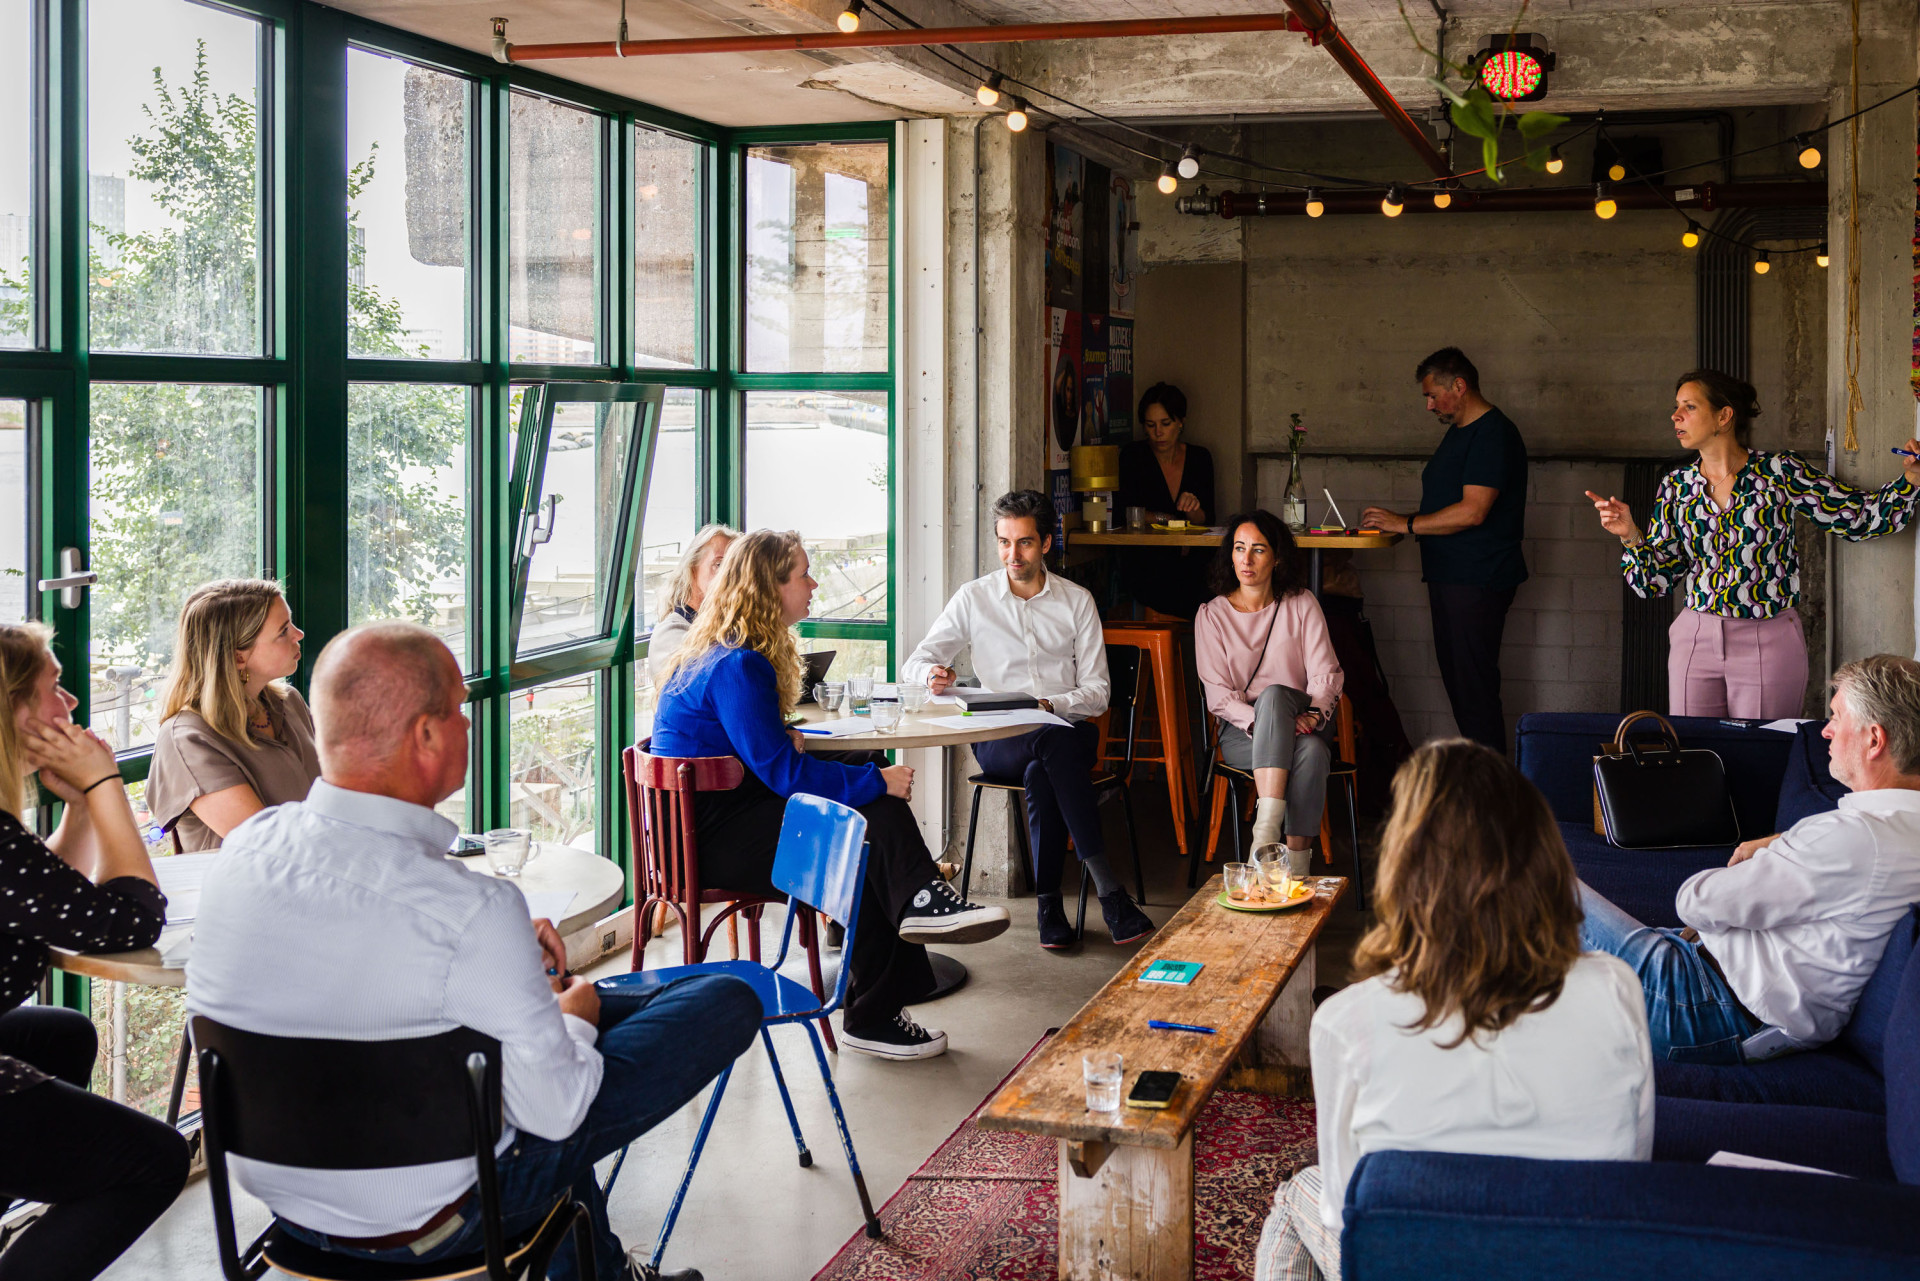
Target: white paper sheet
{"points": [[175, 945], [180, 876], [1017, 716], [1745, 1162], [838, 727], [1786, 726], [549, 904], [945, 700]]}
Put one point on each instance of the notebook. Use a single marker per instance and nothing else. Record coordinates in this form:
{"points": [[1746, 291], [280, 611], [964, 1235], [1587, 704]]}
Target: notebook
{"points": [[985, 700], [1172, 973]]}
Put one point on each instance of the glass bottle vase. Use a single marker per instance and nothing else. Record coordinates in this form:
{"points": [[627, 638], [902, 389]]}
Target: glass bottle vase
{"points": [[1293, 506]]}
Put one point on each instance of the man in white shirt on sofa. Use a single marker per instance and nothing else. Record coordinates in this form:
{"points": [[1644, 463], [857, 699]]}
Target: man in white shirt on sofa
{"points": [[340, 917], [1037, 634], [1780, 942]]}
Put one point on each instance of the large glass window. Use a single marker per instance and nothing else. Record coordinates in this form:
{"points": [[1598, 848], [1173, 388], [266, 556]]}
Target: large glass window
{"points": [[13, 511], [670, 522], [174, 208], [407, 209], [175, 503], [817, 258], [555, 233], [16, 174], [551, 785], [818, 462], [407, 505], [666, 240]]}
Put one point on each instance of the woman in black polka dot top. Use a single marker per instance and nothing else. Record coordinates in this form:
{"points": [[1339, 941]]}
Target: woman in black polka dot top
{"points": [[104, 1170]]}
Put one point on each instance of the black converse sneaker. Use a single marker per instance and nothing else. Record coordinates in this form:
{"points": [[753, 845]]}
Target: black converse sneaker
{"points": [[900, 1039], [939, 915]]}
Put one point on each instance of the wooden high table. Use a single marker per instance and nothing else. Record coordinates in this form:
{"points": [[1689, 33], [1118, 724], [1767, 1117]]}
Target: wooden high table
{"points": [[1126, 1177]]}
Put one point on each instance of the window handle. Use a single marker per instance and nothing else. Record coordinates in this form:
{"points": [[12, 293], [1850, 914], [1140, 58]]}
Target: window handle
{"points": [[72, 581], [540, 529]]}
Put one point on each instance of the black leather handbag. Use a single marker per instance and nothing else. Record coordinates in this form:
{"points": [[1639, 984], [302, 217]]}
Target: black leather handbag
{"points": [[1649, 793]]}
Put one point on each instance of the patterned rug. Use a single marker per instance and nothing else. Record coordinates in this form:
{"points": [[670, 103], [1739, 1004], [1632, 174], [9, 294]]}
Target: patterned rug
{"points": [[985, 1207]]}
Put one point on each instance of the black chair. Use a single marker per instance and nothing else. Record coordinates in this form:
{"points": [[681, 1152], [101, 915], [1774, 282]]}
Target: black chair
{"points": [[1219, 772], [365, 1105], [1123, 673]]}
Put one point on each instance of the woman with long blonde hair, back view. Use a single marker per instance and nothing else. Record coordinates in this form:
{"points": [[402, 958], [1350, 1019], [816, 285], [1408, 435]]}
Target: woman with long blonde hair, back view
{"points": [[684, 593], [727, 692], [104, 1170], [234, 737], [1475, 1024]]}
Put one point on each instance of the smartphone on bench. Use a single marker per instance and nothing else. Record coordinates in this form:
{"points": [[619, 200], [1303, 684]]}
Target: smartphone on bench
{"points": [[1153, 1089]]}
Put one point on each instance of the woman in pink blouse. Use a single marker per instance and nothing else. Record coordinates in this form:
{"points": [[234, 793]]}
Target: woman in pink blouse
{"points": [[1271, 677]]}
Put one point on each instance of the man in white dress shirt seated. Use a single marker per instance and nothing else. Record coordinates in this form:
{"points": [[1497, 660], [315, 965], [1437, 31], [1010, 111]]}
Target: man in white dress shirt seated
{"points": [[1037, 634], [1780, 942], [340, 916]]}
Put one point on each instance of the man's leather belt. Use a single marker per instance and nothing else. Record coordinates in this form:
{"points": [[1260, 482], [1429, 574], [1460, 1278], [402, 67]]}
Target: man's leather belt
{"points": [[394, 1240]]}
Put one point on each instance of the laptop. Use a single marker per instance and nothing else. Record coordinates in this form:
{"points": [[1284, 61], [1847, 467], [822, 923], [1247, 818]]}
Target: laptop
{"points": [[815, 672]]}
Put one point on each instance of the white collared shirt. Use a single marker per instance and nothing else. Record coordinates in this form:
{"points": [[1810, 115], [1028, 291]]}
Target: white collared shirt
{"points": [[1798, 929], [1049, 646], [340, 917]]}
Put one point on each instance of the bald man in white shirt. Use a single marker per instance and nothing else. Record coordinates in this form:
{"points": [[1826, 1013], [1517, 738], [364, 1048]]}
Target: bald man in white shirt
{"points": [[1781, 941]]}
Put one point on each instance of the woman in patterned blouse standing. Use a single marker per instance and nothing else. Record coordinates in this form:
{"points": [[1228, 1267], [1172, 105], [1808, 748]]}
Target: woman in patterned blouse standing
{"points": [[1726, 519], [104, 1171]]}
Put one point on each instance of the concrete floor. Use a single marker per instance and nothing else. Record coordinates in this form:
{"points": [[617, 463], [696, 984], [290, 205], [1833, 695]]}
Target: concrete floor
{"points": [[752, 1213]]}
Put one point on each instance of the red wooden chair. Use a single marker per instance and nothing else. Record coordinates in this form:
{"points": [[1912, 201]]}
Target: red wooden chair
{"points": [[666, 860]]}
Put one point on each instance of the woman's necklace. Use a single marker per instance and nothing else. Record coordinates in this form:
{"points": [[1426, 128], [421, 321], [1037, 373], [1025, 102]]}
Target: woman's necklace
{"points": [[257, 718]]}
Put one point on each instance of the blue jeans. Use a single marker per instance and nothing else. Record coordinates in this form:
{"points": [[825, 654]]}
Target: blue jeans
{"points": [[1693, 1016], [660, 1050], [1055, 764]]}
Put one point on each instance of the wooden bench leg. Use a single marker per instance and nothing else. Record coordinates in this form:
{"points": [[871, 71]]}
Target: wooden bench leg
{"points": [[1275, 1060], [1133, 1217]]}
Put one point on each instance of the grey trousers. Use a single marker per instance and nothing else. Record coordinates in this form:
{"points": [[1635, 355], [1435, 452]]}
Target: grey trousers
{"points": [[1276, 745]]}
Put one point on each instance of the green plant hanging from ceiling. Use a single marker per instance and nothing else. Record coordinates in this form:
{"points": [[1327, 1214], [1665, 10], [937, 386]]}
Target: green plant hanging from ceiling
{"points": [[1474, 111]]}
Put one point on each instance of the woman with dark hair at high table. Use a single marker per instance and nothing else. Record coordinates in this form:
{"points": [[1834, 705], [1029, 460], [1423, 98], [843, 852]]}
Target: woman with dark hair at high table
{"points": [[1475, 1023], [1725, 523], [1169, 478], [1270, 675]]}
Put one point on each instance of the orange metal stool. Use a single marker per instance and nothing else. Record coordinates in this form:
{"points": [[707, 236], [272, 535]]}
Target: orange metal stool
{"points": [[1161, 641]]}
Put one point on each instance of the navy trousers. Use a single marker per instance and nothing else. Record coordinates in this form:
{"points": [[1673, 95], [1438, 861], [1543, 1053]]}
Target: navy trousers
{"points": [[1055, 764]]}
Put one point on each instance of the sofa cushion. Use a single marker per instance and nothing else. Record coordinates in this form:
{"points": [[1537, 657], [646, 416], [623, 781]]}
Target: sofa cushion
{"points": [[1832, 1076], [1808, 787], [1555, 750], [1641, 883], [1867, 1031], [1902, 1058], [1833, 1139]]}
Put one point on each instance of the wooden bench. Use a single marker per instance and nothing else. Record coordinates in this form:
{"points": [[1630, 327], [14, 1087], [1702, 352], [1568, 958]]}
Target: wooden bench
{"points": [[1126, 1177]]}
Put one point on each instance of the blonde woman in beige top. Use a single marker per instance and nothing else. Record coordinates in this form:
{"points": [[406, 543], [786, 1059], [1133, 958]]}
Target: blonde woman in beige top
{"points": [[234, 737]]}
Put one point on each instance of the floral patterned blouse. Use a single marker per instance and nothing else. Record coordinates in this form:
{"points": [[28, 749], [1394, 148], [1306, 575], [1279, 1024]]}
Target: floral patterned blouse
{"points": [[44, 901], [1742, 560]]}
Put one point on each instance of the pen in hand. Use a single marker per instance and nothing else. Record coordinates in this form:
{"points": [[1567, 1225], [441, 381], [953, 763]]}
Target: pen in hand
{"points": [[1904, 453]]}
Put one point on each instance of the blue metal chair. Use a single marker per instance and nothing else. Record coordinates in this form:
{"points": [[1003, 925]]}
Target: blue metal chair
{"points": [[821, 862]]}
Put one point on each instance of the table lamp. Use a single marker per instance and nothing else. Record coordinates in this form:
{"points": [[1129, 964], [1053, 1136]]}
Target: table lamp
{"points": [[1096, 473]]}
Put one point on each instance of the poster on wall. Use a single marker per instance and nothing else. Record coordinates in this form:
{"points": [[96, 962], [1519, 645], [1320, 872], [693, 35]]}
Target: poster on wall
{"points": [[1123, 246], [1093, 380], [1066, 227], [1063, 382], [1119, 382]]}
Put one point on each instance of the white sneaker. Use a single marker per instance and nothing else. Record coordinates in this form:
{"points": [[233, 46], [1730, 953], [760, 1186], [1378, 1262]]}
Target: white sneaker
{"points": [[901, 1039], [939, 915]]}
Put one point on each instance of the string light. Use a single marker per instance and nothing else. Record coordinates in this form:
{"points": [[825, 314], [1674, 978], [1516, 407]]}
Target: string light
{"points": [[1395, 201], [1554, 163], [1604, 205], [1691, 236], [1017, 114], [1807, 151], [1820, 256], [1760, 265], [1189, 166], [849, 19], [989, 91], [1442, 198], [1315, 206], [1168, 182], [1616, 171]]}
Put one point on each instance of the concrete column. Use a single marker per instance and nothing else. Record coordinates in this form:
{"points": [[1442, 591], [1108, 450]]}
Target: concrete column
{"points": [[1873, 583]]}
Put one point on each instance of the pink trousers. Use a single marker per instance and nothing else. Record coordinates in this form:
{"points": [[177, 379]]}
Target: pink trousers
{"points": [[1752, 668]]}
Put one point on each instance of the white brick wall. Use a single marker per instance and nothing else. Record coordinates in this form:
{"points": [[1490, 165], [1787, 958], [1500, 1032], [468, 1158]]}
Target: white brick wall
{"points": [[1562, 648]]}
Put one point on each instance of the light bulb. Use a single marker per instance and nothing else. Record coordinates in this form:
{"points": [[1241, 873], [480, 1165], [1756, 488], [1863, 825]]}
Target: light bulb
{"points": [[1691, 236], [849, 19], [1189, 166], [1604, 205], [1017, 114], [1396, 200], [1807, 151], [1442, 198], [1760, 265], [1315, 205], [1168, 182], [1554, 163], [989, 92], [1820, 256], [1616, 171]]}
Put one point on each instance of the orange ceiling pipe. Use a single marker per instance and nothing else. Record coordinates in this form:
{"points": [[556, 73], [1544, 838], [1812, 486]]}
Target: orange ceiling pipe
{"points": [[1318, 23]]}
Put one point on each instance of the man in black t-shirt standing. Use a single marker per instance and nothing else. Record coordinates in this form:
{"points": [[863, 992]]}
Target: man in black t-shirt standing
{"points": [[1473, 502]]}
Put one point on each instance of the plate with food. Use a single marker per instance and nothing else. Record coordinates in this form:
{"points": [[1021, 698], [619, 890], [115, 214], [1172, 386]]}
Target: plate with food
{"points": [[1260, 900]]}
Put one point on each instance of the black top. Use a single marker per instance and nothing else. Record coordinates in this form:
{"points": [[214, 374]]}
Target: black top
{"points": [[1143, 484], [44, 901], [1487, 451]]}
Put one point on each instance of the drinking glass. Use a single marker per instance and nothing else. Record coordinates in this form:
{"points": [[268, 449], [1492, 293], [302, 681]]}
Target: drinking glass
{"points": [[1104, 1071], [828, 694], [859, 694], [1279, 878], [1240, 881], [913, 698], [886, 715], [1136, 518], [508, 849]]}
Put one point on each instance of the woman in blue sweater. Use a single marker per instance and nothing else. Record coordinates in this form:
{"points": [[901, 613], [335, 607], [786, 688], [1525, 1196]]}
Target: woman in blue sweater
{"points": [[727, 692]]}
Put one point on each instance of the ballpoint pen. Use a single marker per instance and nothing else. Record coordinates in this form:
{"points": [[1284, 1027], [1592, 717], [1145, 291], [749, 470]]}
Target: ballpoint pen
{"points": [[1905, 453], [1164, 1026]]}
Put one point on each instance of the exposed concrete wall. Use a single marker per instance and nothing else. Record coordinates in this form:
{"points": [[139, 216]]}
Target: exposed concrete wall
{"points": [[1190, 330]]}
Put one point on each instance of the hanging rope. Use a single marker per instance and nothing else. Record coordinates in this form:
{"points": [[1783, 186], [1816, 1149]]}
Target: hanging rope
{"points": [[1850, 441]]}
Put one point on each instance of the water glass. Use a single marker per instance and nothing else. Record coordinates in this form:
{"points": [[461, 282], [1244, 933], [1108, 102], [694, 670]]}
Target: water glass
{"points": [[913, 698], [1136, 518], [508, 849], [1104, 1072], [829, 695], [886, 715], [1279, 878], [1240, 880], [859, 694]]}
